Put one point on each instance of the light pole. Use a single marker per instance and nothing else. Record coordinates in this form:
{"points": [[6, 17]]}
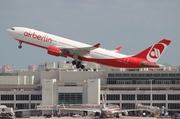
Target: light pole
{"points": [[13, 69], [151, 90]]}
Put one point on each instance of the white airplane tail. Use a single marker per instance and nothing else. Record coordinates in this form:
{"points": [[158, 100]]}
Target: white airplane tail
{"points": [[103, 101]]}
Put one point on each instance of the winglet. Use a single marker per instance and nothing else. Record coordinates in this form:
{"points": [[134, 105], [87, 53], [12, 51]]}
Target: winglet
{"points": [[118, 48], [103, 100], [97, 45]]}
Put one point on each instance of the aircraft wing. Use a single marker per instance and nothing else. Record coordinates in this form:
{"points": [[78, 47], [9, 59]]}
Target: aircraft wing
{"points": [[22, 110], [80, 51], [126, 110], [81, 109]]}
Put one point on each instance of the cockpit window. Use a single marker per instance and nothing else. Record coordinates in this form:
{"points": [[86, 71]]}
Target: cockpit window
{"points": [[12, 28]]}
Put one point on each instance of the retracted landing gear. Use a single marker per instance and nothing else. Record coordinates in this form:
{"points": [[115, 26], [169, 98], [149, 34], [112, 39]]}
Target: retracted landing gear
{"points": [[20, 46], [78, 64]]}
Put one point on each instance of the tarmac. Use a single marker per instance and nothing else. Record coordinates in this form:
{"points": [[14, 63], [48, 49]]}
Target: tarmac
{"points": [[89, 117]]}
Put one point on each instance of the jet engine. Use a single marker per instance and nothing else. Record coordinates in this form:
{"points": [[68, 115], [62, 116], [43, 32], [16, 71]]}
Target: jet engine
{"points": [[54, 51], [125, 113]]}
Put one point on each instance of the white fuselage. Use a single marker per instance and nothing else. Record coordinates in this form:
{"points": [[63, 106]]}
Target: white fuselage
{"points": [[41, 39]]}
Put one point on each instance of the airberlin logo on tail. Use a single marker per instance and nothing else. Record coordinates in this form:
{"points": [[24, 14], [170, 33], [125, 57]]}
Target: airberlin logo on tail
{"points": [[155, 52], [38, 37]]}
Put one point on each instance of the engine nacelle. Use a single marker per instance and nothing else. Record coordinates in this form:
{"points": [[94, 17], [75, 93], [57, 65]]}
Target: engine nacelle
{"points": [[125, 113], [54, 51]]}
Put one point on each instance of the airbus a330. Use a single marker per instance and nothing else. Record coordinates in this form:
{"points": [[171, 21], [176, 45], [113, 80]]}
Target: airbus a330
{"points": [[58, 46]]}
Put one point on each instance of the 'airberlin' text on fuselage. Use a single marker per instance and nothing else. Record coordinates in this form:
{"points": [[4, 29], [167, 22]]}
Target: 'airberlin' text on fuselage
{"points": [[38, 37]]}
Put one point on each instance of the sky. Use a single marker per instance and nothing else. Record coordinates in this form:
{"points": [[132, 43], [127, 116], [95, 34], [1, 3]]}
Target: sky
{"points": [[132, 24]]}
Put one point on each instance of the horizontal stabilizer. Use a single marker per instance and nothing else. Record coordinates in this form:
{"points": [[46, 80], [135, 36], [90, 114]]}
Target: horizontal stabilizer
{"points": [[97, 45]]}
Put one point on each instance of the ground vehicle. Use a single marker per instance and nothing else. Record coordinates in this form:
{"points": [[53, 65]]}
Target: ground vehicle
{"points": [[76, 115]]}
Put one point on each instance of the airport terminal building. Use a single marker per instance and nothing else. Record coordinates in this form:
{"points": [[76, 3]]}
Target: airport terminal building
{"points": [[65, 84]]}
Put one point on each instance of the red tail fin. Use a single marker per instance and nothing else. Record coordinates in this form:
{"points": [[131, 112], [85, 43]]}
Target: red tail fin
{"points": [[153, 53]]}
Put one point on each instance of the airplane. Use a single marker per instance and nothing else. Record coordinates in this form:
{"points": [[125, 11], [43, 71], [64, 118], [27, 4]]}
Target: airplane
{"points": [[105, 109], [9, 111], [6, 110], [152, 109], [59, 46]]}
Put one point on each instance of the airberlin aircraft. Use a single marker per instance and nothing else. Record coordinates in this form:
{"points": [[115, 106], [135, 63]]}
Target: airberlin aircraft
{"points": [[58, 46]]}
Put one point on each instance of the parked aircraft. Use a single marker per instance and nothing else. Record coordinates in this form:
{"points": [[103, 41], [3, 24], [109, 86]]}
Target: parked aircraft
{"points": [[58, 46], [152, 109], [6, 110], [10, 112], [105, 110]]}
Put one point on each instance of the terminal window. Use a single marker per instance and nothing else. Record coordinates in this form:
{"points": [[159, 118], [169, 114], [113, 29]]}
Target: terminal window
{"points": [[173, 105], [145, 104], [174, 97], [128, 97], [156, 75], [128, 106], [159, 104], [172, 75], [7, 97], [159, 97], [143, 97], [22, 106], [149, 75], [178, 75], [164, 75], [33, 105], [110, 75], [118, 75], [8, 104], [22, 97], [112, 97], [36, 97], [70, 98]]}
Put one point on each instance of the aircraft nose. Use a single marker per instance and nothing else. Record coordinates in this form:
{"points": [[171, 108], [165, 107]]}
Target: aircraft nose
{"points": [[10, 31], [7, 31]]}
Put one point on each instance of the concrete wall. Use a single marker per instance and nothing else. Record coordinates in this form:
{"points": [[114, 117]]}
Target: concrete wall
{"points": [[80, 75], [24, 80], [91, 91], [9, 79], [69, 89], [52, 74], [36, 75], [17, 80], [49, 92]]}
